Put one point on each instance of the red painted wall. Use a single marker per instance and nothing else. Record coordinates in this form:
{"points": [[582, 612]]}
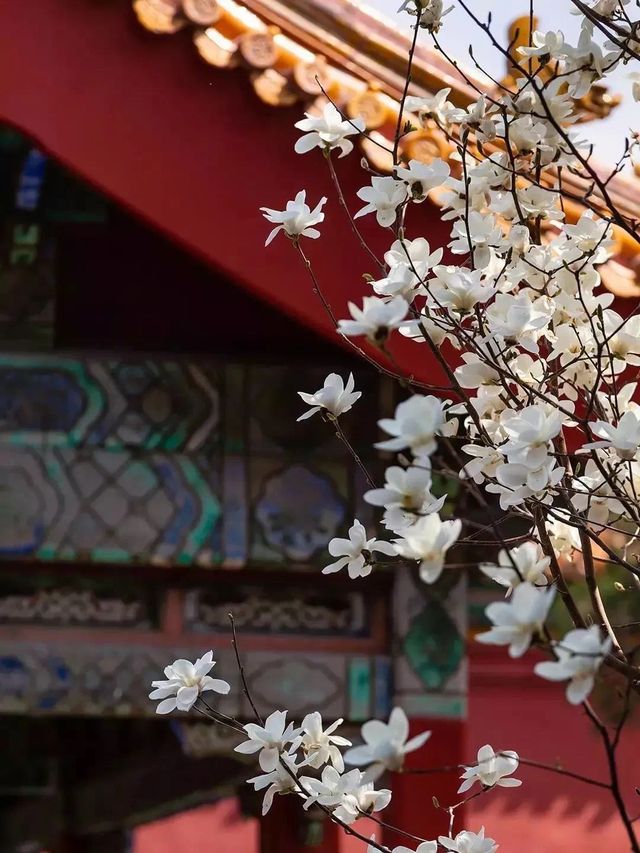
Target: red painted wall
{"points": [[511, 708], [219, 828]]}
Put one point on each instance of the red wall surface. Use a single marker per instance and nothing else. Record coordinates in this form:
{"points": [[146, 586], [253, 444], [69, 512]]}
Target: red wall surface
{"points": [[511, 708]]}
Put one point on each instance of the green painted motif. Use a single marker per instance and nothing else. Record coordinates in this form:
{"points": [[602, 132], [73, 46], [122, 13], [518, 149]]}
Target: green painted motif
{"points": [[360, 686], [433, 645]]}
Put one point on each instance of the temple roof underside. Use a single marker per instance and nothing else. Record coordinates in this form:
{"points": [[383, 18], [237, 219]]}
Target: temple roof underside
{"points": [[307, 51]]}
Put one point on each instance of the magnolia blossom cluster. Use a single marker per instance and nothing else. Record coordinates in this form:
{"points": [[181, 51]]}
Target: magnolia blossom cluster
{"points": [[309, 760], [545, 424], [540, 424]]}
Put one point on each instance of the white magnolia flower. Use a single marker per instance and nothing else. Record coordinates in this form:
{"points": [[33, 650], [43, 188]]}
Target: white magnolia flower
{"points": [[428, 541], [543, 44], [385, 744], [327, 131], [537, 201], [517, 620], [406, 493], [321, 746], [590, 236], [356, 552], [474, 372], [399, 281], [185, 682], [586, 60], [415, 425], [525, 134], [297, 219], [334, 396], [269, 739], [422, 177], [469, 842], [622, 341], [606, 8], [459, 289], [563, 535], [530, 432], [624, 438], [436, 106], [477, 233], [364, 800], [484, 463], [429, 12], [477, 119], [518, 319], [383, 197], [424, 847], [492, 768], [578, 658], [524, 563], [416, 254], [375, 319], [331, 787], [281, 780], [516, 482], [635, 85], [593, 495], [350, 795]]}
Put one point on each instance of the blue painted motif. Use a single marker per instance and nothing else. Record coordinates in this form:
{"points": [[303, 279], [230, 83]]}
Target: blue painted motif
{"points": [[299, 512]]}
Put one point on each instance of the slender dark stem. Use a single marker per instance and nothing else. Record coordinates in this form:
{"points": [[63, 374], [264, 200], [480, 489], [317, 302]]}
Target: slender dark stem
{"points": [[562, 772], [245, 686], [594, 592], [393, 828], [345, 207], [341, 435], [556, 572], [348, 829], [405, 91], [402, 380], [218, 717], [613, 774]]}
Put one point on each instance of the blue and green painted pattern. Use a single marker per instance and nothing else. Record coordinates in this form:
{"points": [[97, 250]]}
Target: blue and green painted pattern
{"points": [[165, 460]]}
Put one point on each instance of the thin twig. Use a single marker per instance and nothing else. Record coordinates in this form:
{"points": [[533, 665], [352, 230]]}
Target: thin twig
{"points": [[245, 686]]}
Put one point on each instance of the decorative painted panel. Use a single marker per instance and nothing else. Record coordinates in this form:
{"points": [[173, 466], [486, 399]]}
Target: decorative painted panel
{"points": [[43, 600], [109, 403], [109, 505], [263, 610], [114, 680], [167, 461], [296, 508], [430, 666]]}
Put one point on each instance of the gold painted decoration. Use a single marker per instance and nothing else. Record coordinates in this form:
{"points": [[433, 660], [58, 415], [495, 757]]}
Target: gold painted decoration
{"points": [[215, 49], [425, 145], [259, 49], [273, 88], [370, 106], [159, 16], [202, 12], [314, 78], [622, 279], [598, 103]]}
